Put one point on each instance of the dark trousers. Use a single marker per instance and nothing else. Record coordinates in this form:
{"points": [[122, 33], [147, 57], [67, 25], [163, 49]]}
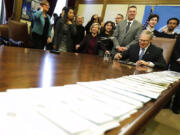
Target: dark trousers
{"points": [[38, 41], [176, 102]]}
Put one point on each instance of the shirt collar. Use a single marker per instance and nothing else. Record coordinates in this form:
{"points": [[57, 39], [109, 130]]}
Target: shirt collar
{"points": [[149, 28], [130, 21], [166, 31], [173, 32], [145, 49]]}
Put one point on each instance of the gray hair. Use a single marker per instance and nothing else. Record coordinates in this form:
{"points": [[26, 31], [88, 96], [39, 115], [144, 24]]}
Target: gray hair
{"points": [[147, 32]]}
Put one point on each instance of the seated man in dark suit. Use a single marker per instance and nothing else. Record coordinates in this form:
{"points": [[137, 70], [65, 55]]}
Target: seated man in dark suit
{"points": [[144, 53]]}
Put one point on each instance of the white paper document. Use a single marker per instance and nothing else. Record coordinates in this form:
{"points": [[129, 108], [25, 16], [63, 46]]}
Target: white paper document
{"points": [[85, 108]]}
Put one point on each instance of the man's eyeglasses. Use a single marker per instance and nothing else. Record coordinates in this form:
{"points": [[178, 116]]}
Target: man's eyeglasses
{"points": [[145, 41]]}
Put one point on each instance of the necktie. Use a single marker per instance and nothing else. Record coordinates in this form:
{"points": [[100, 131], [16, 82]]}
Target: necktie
{"points": [[128, 26], [141, 54]]}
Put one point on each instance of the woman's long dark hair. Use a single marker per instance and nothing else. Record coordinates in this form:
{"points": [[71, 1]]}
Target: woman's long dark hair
{"points": [[66, 14], [113, 27], [92, 18]]}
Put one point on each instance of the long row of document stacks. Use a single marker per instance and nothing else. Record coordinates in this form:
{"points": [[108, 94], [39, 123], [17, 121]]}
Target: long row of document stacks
{"points": [[85, 108]]}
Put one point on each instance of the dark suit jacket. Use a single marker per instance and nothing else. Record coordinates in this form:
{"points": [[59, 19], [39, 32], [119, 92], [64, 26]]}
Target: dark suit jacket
{"points": [[153, 54], [79, 36], [175, 66]]}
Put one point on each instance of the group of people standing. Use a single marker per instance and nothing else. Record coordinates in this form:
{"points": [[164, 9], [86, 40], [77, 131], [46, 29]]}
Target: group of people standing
{"points": [[125, 39], [69, 34]]}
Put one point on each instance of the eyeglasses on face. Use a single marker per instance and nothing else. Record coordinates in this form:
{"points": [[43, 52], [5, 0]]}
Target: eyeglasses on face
{"points": [[145, 41]]}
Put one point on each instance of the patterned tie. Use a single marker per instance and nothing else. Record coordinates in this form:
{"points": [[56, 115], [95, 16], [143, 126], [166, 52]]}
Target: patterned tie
{"points": [[128, 26], [141, 54]]}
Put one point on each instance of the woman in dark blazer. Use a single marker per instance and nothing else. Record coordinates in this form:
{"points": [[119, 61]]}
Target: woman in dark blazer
{"points": [[65, 31], [106, 38], [90, 42]]}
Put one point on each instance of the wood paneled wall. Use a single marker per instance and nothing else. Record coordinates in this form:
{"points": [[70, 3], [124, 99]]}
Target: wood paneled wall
{"points": [[18, 4], [126, 2], [154, 2], [17, 10]]}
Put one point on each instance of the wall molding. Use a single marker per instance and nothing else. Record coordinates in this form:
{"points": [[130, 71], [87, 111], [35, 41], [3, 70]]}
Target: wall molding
{"points": [[17, 7], [104, 9], [143, 2]]}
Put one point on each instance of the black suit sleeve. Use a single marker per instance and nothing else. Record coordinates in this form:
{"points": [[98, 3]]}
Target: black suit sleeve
{"points": [[73, 30], [126, 54], [176, 51], [83, 44], [159, 60], [58, 33], [131, 53], [163, 34], [174, 65]]}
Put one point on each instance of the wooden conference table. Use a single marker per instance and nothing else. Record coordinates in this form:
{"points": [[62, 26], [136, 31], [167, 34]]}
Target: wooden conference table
{"points": [[27, 68]]}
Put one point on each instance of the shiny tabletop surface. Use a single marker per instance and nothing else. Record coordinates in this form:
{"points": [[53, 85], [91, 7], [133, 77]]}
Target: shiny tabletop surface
{"points": [[26, 68], [29, 68]]}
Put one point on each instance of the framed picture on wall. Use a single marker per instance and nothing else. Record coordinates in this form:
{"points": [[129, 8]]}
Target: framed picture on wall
{"points": [[28, 8]]}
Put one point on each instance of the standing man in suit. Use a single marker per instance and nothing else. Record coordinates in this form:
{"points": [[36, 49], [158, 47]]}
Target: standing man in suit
{"points": [[127, 32], [119, 18], [144, 53], [80, 31]]}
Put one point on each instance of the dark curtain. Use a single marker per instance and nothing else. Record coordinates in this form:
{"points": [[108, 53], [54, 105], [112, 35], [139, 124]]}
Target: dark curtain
{"points": [[71, 3], [3, 13], [52, 4], [9, 8]]}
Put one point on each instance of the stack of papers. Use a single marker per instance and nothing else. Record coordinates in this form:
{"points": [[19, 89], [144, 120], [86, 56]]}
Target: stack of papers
{"points": [[85, 108]]}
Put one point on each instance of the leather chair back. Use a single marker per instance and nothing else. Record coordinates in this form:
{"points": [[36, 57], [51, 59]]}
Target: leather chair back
{"points": [[166, 44], [18, 31], [4, 30]]}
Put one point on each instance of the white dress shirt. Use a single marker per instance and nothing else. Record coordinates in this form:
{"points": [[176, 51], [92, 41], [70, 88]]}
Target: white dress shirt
{"points": [[151, 64], [149, 28], [130, 21]]}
